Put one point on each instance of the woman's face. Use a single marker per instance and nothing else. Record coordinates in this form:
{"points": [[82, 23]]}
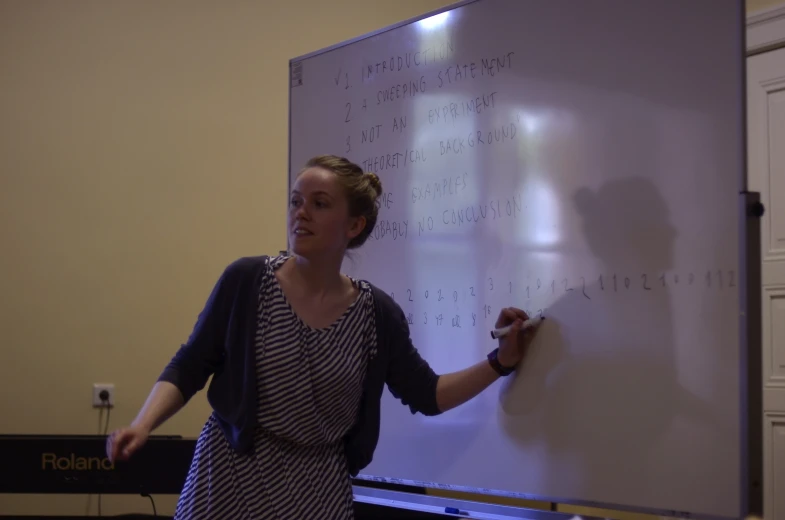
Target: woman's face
{"points": [[319, 223]]}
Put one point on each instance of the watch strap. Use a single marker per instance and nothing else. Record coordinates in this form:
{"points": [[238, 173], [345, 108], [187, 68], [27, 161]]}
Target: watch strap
{"points": [[493, 359]]}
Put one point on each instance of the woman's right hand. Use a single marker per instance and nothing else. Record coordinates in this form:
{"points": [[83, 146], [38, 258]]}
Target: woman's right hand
{"points": [[124, 442]]}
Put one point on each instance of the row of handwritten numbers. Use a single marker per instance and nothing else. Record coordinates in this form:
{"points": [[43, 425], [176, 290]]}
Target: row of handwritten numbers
{"points": [[711, 279], [438, 319]]}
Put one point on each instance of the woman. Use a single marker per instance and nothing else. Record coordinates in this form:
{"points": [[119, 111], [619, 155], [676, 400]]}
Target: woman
{"points": [[299, 355]]}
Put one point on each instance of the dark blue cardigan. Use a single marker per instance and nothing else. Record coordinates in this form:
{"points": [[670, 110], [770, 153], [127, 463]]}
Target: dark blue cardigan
{"points": [[222, 344]]}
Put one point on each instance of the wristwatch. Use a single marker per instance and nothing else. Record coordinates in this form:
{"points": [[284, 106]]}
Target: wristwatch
{"points": [[493, 359]]}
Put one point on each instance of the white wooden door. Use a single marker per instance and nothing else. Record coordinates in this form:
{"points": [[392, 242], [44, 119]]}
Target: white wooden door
{"points": [[766, 174]]}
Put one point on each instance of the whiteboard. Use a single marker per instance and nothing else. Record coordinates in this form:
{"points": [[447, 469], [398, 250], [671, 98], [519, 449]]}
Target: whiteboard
{"points": [[580, 160]]}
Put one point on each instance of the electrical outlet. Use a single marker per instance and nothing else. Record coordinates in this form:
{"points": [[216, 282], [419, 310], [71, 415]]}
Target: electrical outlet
{"points": [[97, 389]]}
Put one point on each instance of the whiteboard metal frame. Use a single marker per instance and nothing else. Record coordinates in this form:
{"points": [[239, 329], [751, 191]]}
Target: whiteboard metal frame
{"points": [[750, 313], [435, 505], [383, 30], [751, 350]]}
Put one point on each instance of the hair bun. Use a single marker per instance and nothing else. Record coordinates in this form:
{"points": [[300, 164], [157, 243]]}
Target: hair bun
{"points": [[375, 182]]}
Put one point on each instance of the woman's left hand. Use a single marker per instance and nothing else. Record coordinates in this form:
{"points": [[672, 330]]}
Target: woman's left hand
{"points": [[512, 347]]}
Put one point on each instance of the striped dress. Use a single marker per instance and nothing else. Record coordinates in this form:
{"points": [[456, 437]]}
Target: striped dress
{"points": [[309, 383]]}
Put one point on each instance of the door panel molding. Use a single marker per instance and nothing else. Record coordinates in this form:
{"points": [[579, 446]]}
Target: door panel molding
{"points": [[766, 29]]}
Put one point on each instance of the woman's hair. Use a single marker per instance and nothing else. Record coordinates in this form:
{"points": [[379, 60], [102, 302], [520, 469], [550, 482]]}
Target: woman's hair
{"points": [[362, 191]]}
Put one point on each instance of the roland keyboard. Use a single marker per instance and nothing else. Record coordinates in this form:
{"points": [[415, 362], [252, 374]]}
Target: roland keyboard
{"points": [[78, 464]]}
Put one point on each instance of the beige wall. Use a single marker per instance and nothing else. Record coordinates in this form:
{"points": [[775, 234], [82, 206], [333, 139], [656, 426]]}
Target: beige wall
{"points": [[756, 5], [143, 146]]}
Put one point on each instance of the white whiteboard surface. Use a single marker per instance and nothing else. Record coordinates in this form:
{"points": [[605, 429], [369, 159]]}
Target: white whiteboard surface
{"points": [[582, 159]]}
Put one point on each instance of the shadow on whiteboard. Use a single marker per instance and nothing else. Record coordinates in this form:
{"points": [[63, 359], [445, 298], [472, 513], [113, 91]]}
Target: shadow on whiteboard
{"points": [[524, 390], [600, 383]]}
